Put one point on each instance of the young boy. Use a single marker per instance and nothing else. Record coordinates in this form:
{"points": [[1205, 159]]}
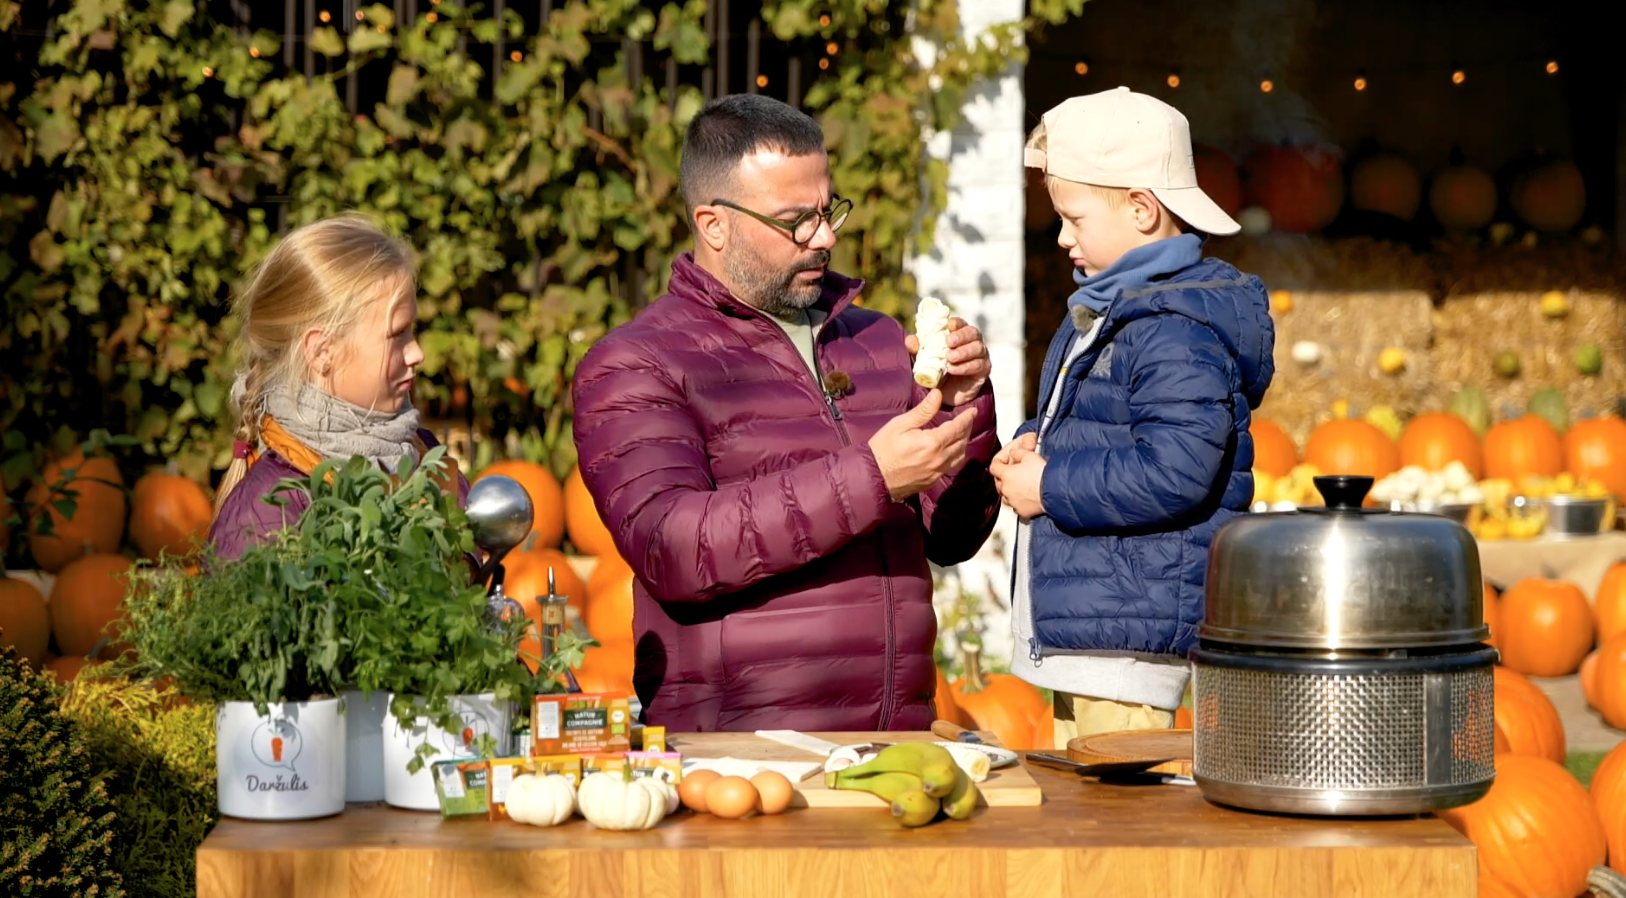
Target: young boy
{"points": [[1141, 448]]}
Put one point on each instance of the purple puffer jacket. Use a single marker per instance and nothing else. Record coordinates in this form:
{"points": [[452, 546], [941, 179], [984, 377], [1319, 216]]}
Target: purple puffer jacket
{"points": [[778, 586], [245, 519]]}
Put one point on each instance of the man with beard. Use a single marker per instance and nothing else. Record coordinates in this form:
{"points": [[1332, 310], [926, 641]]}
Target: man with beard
{"points": [[759, 449]]}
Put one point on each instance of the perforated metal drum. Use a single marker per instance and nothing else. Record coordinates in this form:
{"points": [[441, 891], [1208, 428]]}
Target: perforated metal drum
{"points": [[1363, 697]]}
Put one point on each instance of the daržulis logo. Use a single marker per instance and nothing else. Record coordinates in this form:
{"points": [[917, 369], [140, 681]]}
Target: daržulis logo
{"points": [[462, 742], [276, 743]]}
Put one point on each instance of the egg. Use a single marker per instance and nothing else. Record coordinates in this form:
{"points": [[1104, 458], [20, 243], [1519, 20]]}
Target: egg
{"points": [[731, 797], [692, 789], [774, 792]]}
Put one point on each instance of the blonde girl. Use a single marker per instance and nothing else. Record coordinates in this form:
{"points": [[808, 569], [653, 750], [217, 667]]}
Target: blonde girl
{"points": [[327, 354]]}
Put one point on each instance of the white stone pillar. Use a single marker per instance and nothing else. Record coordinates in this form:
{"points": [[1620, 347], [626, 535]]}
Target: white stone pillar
{"points": [[976, 265]]}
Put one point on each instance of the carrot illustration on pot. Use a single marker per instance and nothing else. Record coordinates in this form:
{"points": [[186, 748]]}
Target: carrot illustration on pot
{"points": [[276, 748], [468, 735]]}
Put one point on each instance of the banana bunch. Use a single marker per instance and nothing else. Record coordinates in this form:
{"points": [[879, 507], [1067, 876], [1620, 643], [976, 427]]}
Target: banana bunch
{"points": [[1285, 493], [919, 779]]}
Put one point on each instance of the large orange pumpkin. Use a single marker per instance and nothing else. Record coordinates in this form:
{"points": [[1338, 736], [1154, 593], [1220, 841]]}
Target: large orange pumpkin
{"points": [[1491, 887], [1609, 606], [1436, 439], [1492, 613], [1301, 187], [606, 668], [1589, 678], [1273, 450], [1609, 795], [587, 531], [71, 667], [1463, 198], [525, 578], [1550, 197], [943, 703], [607, 570], [1525, 446], [1526, 719], [1217, 176], [1537, 829], [169, 514], [999, 703], [1547, 627], [25, 624], [547, 499], [1351, 446], [1608, 675], [1595, 449], [609, 609], [88, 596], [97, 524], [1386, 183]]}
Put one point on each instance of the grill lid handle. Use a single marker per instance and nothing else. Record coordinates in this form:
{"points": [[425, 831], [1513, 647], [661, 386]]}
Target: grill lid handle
{"points": [[1343, 492]]}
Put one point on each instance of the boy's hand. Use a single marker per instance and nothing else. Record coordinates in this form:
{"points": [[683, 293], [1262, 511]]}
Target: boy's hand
{"points": [[1019, 482], [1013, 451], [968, 366]]}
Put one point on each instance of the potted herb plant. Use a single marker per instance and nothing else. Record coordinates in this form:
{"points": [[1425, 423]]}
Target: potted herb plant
{"points": [[250, 635]]}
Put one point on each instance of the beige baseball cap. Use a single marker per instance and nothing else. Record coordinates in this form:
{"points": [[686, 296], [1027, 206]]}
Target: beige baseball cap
{"points": [[1119, 138]]}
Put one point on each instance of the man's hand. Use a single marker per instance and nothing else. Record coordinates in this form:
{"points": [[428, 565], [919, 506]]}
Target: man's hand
{"points": [[913, 456], [968, 366], [1018, 472]]}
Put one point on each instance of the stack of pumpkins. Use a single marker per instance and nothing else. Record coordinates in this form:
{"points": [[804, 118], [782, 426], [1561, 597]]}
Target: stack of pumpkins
{"points": [[63, 614]]}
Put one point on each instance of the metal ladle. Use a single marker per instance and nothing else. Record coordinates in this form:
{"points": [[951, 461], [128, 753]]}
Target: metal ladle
{"points": [[502, 514]]}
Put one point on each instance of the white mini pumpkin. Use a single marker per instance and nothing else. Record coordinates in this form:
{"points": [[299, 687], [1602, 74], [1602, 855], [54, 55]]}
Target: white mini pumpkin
{"points": [[610, 802], [540, 800]]}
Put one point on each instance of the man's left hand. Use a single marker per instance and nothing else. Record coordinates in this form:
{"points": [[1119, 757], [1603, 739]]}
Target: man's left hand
{"points": [[968, 366]]}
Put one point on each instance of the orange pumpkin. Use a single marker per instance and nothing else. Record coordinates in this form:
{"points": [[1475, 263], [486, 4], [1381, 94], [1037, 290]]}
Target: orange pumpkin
{"points": [[1216, 175], [943, 703], [525, 579], [606, 668], [587, 531], [25, 624], [1550, 197], [87, 597], [71, 668], [1589, 678], [1491, 887], [1436, 439], [999, 703], [1386, 183], [1609, 606], [1463, 198], [1182, 718], [1595, 449], [1609, 795], [1301, 187], [1608, 675], [547, 499], [1525, 446], [1537, 829], [1044, 729], [609, 569], [1547, 628], [169, 514], [1273, 450], [1526, 719], [97, 524], [609, 609], [1493, 612], [1351, 446]]}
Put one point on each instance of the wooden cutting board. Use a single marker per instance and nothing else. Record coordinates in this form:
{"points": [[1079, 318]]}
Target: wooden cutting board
{"points": [[1005, 787], [1135, 745]]}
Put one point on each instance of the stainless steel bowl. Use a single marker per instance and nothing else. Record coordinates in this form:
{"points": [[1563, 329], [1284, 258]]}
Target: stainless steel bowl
{"points": [[1344, 577], [1459, 513], [1569, 517]]}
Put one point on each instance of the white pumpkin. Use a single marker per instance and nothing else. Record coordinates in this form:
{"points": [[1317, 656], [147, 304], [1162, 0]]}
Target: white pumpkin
{"points": [[540, 800], [610, 802]]}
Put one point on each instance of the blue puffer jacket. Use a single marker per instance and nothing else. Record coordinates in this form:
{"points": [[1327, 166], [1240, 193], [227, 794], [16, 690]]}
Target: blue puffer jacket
{"points": [[1147, 456]]}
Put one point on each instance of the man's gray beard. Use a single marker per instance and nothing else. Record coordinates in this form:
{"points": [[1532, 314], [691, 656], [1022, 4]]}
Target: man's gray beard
{"points": [[780, 294]]}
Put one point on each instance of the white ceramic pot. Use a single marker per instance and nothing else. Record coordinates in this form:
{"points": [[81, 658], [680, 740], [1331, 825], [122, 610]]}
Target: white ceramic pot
{"points": [[481, 715], [364, 745], [286, 765]]}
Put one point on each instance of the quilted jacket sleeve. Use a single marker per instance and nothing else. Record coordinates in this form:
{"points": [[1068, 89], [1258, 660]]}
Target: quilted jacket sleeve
{"points": [[643, 458], [1180, 420], [959, 512]]}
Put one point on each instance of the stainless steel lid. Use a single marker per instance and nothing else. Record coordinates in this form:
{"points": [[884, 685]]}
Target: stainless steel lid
{"points": [[1344, 577]]}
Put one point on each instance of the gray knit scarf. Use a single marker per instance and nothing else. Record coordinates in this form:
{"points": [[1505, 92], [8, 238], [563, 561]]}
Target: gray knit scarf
{"points": [[337, 429]]}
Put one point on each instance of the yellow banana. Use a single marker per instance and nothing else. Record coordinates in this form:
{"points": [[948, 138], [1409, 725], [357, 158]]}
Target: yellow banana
{"points": [[914, 808], [888, 786], [962, 800], [932, 763]]}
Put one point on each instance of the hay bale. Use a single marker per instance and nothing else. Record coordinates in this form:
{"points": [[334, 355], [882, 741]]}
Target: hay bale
{"points": [[1352, 329]]}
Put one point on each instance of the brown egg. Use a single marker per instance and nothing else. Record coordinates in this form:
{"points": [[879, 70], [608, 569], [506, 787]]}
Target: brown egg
{"points": [[692, 789], [774, 792], [731, 797]]}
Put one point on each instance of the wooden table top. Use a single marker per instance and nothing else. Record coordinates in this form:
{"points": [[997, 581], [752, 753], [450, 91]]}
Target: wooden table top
{"points": [[1087, 838]]}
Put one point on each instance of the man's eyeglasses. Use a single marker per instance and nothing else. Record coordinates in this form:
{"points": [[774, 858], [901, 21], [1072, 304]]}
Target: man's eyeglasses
{"points": [[806, 225]]}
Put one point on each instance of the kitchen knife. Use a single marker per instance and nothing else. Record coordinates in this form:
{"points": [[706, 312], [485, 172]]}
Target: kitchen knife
{"points": [[954, 732]]}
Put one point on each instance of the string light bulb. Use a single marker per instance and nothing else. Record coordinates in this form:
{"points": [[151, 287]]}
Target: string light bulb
{"points": [[1082, 68], [254, 52], [762, 81], [1174, 79], [360, 16], [208, 72], [432, 18], [1552, 66], [1266, 86], [824, 64], [1360, 82], [1459, 76], [831, 48], [324, 16], [516, 56], [824, 21]]}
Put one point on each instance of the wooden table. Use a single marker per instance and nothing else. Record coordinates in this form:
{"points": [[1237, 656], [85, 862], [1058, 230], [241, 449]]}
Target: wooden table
{"points": [[1087, 839]]}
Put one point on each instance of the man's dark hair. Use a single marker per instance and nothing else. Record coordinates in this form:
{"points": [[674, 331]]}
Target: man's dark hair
{"points": [[730, 128]]}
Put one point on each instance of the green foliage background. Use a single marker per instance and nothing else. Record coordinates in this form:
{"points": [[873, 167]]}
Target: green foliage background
{"points": [[130, 203]]}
